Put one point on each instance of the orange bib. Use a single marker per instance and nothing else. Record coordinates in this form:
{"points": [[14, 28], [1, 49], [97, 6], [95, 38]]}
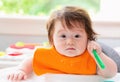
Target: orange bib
{"points": [[50, 61]]}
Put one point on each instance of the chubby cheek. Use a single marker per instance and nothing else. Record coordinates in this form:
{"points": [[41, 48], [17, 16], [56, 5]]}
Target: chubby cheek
{"points": [[59, 45], [59, 48], [81, 49], [81, 46]]}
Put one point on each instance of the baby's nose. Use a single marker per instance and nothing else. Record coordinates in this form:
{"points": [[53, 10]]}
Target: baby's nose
{"points": [[70, 41]]}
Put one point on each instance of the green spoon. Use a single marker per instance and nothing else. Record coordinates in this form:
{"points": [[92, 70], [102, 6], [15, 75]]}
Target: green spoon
{"points": [[98, 59]]}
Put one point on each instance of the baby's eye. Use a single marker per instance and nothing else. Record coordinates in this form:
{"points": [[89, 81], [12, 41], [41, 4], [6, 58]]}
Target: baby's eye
{"points": [[77, 36], [63, 36]]}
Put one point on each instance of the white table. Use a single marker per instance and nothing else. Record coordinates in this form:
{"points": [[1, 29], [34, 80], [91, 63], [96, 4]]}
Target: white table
{"points": [[59, 77], [12, 61]]}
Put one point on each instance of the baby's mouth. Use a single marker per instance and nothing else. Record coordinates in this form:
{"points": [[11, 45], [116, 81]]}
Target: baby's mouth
{"points": [[70, 49]]}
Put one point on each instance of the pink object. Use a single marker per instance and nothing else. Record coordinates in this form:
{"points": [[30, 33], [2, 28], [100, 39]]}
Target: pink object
{"points": [[21, 47], [15, 54]]}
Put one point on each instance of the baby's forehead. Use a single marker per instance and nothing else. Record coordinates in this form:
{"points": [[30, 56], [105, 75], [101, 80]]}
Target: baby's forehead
{"points": [[73, 24], [63, 26]]}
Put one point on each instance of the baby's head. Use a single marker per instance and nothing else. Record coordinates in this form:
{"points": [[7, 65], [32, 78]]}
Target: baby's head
{"points": [[70, 24], [69, 16]]}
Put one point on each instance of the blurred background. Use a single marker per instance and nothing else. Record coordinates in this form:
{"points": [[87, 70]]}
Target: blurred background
{"points": [[43, 7]]}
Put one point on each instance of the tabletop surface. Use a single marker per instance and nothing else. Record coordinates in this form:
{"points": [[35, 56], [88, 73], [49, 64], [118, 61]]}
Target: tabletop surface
{"points": [[59, 77]]}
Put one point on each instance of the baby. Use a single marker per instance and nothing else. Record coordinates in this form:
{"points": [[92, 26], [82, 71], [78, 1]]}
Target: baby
{"points": [[72, 40]]}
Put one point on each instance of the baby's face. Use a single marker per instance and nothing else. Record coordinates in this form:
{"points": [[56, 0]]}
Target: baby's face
{"points": [[69, 42]]}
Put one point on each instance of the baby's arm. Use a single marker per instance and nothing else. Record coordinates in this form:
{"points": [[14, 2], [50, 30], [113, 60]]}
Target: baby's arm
{"points": [[110, 66], [22, 71]]}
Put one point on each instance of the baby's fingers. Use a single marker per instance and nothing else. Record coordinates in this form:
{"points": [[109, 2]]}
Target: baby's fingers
{"points": [[10, 76], [15, 77], [22, 76]]}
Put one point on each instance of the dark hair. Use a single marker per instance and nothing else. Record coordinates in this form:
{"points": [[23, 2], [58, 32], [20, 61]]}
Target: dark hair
{"points": [[69, 16]]}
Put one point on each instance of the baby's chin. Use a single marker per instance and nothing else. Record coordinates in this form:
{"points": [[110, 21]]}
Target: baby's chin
{"points": [[71, 55]]}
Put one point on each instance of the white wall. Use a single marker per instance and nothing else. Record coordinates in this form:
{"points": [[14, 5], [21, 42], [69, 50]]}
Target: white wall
{"points": [[36, 26], [109, 9], [23, 25]]}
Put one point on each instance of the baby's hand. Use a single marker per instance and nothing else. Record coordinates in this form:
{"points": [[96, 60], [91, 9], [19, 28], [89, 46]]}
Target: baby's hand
{"points": [[17, 75], [94, 45]]}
